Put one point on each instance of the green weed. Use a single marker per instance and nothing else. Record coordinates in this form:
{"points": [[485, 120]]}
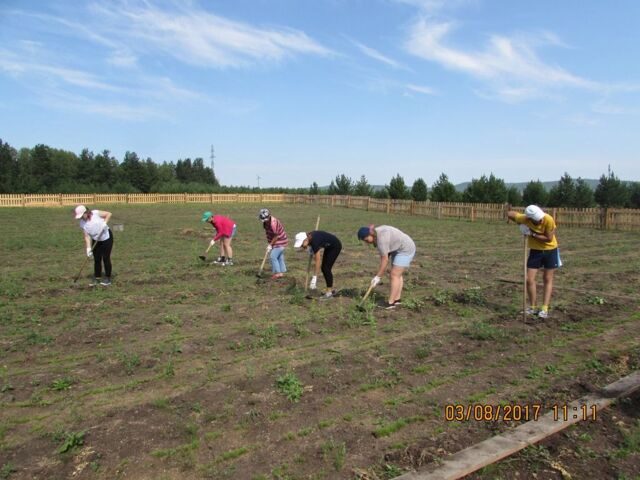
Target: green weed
{"points": [[335, 452], [396, 425], [471, 296], [71, 441], [63, 383], [480, 330], [290, 386]]}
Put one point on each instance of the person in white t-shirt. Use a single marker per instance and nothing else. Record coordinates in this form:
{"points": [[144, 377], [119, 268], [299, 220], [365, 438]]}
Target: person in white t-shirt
{"points": [[98, 239]]}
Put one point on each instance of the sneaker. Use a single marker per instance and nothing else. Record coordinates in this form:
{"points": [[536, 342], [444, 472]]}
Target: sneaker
{"points": [[532, 311], [229, 262], [94, 281], [220, 260], [543, 314], [277, 276], [397, 303], [327, 295], [388, 306], [106, 282]]}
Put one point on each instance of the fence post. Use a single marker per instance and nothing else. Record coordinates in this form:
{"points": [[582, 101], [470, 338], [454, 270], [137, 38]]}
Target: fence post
{"points": [[388, 206], [333, 200], [368, 203], [348, 201], [439, 210], [603, 218], [472, 213], [24, 200], [411, 207]]}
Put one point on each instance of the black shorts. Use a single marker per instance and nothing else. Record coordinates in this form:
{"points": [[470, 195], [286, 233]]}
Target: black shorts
{"points": [[547, 259]]}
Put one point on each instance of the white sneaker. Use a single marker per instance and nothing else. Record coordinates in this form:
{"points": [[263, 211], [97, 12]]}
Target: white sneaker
{"points": [[543, 314], [532, 311]]}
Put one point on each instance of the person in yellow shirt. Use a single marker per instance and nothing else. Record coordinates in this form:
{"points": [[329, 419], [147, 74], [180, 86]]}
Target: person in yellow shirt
{"points": [[540, 227]]}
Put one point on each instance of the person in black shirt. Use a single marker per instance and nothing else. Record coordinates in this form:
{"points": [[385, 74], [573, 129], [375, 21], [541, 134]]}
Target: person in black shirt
{"points": [[316, 241]]}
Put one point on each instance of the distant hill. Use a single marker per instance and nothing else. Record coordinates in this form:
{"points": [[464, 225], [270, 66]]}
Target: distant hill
{"points": [[460, 187]]}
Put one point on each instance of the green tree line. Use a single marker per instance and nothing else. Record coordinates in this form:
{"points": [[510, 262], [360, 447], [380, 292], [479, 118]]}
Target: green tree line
{"points": [[43, 169], [568, 192]]}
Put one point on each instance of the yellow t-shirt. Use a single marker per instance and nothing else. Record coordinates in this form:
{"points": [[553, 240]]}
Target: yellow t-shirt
{"points": [[546, 225]]}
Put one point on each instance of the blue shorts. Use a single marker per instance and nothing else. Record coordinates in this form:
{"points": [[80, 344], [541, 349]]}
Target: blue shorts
{"points": [[401, 260], [547, 259]]}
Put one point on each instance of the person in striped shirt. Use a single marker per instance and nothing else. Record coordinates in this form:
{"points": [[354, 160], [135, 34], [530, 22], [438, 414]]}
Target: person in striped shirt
{"points": [[277, 241]]}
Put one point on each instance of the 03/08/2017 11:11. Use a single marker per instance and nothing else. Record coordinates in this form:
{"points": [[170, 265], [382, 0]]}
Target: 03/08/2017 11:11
{"points": [[566, 412]]}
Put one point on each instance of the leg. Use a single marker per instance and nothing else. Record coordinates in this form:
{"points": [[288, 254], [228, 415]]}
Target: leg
{"points": [[106, 257], [275, 262], [396, 283], [548, 285], [226, 244], [283, 266], [531, 286], [328, 259], [97, 258]]}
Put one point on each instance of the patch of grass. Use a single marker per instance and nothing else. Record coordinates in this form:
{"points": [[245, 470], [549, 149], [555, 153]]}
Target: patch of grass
{"points": [[335, 452], [630, 442], [61, 384], [442, 297], [396, 425], [6, 470], [471, 296], [71, 441], [129, 361], [233, 454], [290, 386], [480, 330]]}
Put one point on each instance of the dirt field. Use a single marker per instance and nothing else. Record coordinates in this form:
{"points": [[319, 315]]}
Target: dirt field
{"points": [[185, 370]]}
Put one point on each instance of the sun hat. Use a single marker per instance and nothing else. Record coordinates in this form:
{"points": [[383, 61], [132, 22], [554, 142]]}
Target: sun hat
{"points": [[363, 232], [79, 211], [206, 216], [534, 212], [300, 238], [264, 214]]}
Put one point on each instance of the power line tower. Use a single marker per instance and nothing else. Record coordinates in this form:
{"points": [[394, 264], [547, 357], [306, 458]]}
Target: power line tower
{"points": [[212, 157], [258, 177]]}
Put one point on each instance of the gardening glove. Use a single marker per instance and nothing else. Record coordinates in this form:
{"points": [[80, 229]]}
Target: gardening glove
{"points": [[212, 243], [269, 247], [313, 283], [375, 281], [89, 252], [525, 230]]}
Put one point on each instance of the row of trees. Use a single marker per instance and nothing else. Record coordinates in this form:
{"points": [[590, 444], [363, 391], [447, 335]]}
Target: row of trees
{"points": [[568, 192], [43, 169]]}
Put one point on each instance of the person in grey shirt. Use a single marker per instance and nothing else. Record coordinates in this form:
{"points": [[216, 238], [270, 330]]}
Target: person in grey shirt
{"points": [[394, 245]]}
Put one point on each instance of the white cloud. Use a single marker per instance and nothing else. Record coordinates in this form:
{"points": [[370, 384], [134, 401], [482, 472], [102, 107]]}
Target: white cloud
{"points": [[421, 89], [509, 67], [432, 6], [372, 53], [193, 35]]}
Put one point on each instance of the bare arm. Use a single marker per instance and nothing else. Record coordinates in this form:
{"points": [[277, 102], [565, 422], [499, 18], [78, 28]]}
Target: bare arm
{"points": [[545, 236], [316, 257], [105, 215], [512, 215], [87, 240], [384, 261]]}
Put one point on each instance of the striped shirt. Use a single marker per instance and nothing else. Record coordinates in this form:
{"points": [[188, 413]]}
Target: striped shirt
{"points": [[275, 229]]}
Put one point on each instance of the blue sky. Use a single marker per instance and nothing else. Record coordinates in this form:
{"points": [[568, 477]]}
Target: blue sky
{"points": [[297, 91]]}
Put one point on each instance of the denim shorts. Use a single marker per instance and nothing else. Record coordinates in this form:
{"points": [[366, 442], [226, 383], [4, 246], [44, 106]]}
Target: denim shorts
{"points": [[547, 259], [401, 260]]}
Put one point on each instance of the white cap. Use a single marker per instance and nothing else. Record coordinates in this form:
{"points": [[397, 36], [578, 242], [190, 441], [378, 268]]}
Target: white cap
{"points": [[79, 211], [534, 212], [300, 237]]}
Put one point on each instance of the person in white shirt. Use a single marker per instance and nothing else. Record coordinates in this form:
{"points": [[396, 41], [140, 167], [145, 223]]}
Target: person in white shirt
{"points": [[98, 239]]}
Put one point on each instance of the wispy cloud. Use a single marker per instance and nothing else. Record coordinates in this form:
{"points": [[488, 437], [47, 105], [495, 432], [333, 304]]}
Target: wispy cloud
{"points": [[510, 67], [376, 55], [198, 37], [421, 89], [432, 6]]}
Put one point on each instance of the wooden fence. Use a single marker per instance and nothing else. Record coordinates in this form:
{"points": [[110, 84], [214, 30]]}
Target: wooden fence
{"points": [[600, 218]]}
